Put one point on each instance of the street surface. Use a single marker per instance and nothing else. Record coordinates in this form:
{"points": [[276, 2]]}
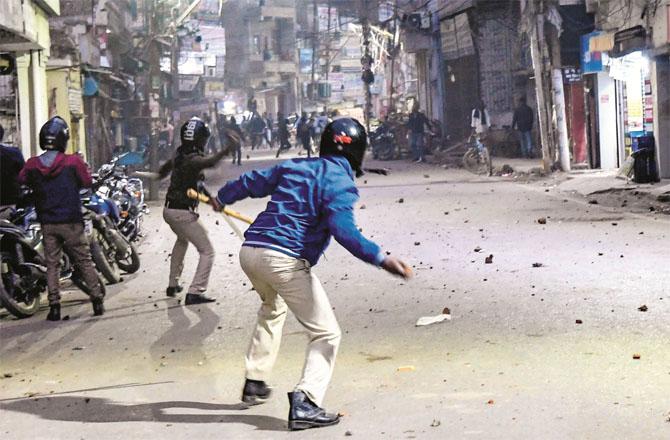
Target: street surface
{"points": [[530, 353]]}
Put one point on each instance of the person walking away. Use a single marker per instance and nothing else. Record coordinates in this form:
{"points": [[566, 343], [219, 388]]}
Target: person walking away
{"points": [[267, 133], [523, 122], [256, 128], [180, 212], [56, 179], [416, 125], [303, 134], [11, 164], [237, 151], [310, 201], [282, 133]]}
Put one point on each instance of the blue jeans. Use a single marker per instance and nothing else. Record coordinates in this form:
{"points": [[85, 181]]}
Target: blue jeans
{"points": [[416, 142], [526, 144]]}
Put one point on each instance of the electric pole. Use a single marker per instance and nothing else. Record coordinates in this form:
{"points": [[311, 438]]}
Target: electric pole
{"points": [[535, 17], [315, 33]]}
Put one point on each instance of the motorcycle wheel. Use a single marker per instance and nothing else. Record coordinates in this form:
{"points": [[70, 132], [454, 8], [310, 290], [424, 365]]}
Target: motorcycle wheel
{"points": [[473, 162], [17, 302], [131, 263], [104, 259]]}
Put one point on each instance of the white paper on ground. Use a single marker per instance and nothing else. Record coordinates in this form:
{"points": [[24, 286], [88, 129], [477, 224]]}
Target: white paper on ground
{"points": [[428, 320]]}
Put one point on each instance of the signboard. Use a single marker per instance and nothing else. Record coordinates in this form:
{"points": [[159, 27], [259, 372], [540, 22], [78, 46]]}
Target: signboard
{"points": [[215, 89], [592, 62], [322, 14], [572, 75], [305, 60]]}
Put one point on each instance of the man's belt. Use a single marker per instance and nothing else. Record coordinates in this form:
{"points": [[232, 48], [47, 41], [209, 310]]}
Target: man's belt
{"points": [[173, 204]]}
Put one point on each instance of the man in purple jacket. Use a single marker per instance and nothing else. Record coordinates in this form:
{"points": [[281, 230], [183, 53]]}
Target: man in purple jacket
{"points": [[56, 178]]}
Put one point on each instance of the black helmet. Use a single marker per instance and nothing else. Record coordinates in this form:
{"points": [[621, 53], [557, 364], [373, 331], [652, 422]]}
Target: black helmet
{"points": [[345, 137], [194, 134], [54, 134]]}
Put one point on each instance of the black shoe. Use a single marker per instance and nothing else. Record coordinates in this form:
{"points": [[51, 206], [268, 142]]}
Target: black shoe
{"points": [[173, 291], [304, 414], [197, 298], [98, 307], [255, 392], [54, 312]]}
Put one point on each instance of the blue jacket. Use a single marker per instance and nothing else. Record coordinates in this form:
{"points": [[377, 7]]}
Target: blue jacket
{"points": [[311, 200]]}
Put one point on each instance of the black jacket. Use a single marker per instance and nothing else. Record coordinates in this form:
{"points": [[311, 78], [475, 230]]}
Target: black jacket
{"points": [[11, 163], [187, 167], [523, 118]]}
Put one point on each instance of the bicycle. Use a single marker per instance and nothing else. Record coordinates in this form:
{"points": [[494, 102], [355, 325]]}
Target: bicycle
{"points": [[477, 158]]}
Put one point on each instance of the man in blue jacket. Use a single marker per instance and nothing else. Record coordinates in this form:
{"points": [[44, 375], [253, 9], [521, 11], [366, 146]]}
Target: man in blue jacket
{"points": [[311, 200]]}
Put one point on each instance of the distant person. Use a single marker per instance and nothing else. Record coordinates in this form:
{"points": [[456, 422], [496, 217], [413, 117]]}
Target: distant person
{"points": [[523, 121], [480, 120], [237, 152], [268, 129], [282, 133], [303, 133], [11, 163], [256, 130], [416, 125]]}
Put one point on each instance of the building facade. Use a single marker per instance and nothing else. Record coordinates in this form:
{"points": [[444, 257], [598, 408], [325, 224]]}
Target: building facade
{"points": [[25, 45]]}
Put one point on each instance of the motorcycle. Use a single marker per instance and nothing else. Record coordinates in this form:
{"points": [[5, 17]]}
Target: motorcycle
{"points": [[111, 251], [23, 270], [383, 142]]}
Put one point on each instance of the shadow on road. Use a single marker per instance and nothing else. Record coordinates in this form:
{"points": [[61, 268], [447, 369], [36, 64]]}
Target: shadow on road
{"points": [[182, 336], [98, 410]]}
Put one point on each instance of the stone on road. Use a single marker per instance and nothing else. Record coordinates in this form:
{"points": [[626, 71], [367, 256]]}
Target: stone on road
{"points": [[151, 368]]}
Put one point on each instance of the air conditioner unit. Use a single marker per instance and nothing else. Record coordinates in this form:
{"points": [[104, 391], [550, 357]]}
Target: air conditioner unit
{"points": [[419, 20]]}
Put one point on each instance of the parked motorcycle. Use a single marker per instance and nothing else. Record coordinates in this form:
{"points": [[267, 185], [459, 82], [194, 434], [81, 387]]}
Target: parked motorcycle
{"points": [[23, 270], [383, 142]]}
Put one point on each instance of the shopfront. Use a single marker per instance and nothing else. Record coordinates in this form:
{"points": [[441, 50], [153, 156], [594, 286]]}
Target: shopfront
{"points": [[621, 94]]}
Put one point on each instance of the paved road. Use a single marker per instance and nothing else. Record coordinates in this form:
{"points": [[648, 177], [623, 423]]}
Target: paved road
{"points": [[512, 362]]}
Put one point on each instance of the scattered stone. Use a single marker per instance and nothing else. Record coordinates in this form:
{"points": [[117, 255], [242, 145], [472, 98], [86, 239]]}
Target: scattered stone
{"points": [[417, 243], [401, 200], [217, 223], [614, 223], [578, 321], [537, 265], [66, 318], [490, 402], [489, 259], [88, 399], [363, 207], [636, 356], [78, 348], [348, 434], [406, 368], [478, 249], [643, 308], [542, 220], [593, 202], [435, 423], [7, 375]]}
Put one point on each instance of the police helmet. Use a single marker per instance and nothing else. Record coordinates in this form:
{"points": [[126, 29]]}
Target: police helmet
{"points": [[195, 133], [54, 134], [345, 137]]}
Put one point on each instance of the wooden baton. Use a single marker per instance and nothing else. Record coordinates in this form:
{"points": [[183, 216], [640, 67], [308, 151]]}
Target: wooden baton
{"points": [[193, 194]]}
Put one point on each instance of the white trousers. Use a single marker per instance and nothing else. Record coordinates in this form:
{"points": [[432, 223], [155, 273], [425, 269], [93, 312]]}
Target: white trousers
{"points": [[284, 283]]}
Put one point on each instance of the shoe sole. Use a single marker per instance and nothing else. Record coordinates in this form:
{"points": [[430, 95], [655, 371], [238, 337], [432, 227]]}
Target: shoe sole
{"points": [[299, 425], [255, 400]]}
